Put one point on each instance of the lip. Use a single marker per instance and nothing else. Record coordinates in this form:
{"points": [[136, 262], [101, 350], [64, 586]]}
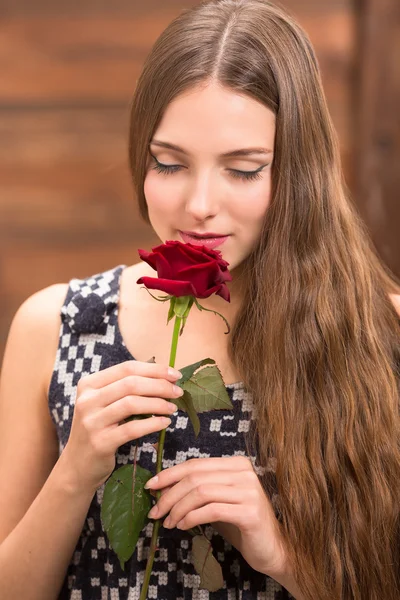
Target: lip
{"points": [[213, 242], [207, 234]]}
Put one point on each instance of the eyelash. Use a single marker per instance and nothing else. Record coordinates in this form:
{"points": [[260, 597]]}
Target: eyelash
{"points": [[243, 175]]}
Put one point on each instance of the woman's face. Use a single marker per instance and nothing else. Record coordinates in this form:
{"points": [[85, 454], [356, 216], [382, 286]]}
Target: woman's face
{"points": [[203, 190]]}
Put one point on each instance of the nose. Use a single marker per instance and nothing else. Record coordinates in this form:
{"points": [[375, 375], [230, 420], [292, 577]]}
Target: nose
{"points": [[202, 200]]}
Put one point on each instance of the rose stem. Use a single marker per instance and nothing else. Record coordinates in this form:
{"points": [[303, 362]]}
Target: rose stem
{"points": [[156, 526]]}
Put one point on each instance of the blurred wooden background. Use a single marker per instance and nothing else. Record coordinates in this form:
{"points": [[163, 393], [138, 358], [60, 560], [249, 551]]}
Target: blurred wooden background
{"points": [[68, 70]]}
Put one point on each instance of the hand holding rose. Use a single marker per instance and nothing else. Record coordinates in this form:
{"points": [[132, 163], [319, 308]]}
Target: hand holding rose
{"points": [[227, 493]]}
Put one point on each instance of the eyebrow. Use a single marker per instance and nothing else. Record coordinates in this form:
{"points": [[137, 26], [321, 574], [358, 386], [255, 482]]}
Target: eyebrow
{"points": [[239, 152]]}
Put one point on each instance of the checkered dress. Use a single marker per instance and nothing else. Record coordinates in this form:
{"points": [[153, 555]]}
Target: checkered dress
{"points": [[90, 340]]}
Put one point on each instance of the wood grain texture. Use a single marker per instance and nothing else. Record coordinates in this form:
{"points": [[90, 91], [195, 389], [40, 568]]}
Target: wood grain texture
{"points": [[68, 72], [377, 141], [98, 59], [135, 8], [64, 176]]}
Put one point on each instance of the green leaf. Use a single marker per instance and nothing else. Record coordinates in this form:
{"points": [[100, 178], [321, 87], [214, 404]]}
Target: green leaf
{"points": [[185, 403], [171, 312], [208, 390], [203, 391], [188, 371], [121, 524], [183, 305], [185, 316], [206, 564]]}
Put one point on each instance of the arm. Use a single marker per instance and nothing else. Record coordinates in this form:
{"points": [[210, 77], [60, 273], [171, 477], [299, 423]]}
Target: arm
{"points": [[36, 545], [288, 582], [35, 556]]}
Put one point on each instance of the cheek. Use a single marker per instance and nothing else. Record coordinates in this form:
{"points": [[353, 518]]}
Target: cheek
{"points": [[160, 194], [256, 201], [151, 188], [152, 194]]}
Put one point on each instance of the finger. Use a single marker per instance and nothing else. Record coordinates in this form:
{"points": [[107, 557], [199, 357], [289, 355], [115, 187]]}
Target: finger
{"points": [[228, 513], [125, 369], [133, 385], [117, 411], [195, 465], [116, 437], [210, 494], [194, 481], [154, 494]]}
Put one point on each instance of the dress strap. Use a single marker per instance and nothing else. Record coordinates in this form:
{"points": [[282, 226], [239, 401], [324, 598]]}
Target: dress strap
{"points": [[90, 302]]}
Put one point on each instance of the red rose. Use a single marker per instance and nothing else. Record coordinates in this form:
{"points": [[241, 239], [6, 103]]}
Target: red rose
{"points": [[187, 270]]}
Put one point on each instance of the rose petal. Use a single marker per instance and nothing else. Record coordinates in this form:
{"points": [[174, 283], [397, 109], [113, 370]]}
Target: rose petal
{"points": [[186, 269], [174, 288], [164, 269]]}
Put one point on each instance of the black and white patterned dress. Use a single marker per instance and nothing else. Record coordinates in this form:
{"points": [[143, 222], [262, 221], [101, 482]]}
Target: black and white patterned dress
{"points": [[90, 340]]}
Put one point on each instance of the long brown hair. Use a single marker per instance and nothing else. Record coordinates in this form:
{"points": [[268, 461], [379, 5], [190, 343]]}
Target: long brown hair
{"points": [[324, 368]]}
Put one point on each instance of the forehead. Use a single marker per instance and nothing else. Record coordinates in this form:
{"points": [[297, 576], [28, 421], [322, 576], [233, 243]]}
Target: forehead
{"points": [[216, 118]]}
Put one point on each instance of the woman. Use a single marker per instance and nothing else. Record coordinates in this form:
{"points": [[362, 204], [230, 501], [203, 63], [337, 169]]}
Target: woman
{"points": [[313, 349]]}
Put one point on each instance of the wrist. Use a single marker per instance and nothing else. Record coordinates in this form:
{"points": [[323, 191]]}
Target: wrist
{"points": [[68, 479], [286, 579]]}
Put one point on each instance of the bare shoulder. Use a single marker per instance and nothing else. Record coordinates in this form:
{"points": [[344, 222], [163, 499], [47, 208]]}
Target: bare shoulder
{"points": [[27, 434], [40, 302], [395, 298], [131, 295], [40, 312], [35, 328]]}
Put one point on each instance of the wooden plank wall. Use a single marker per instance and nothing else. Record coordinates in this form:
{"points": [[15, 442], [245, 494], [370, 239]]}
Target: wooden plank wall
{"points": [[376, 111], [68, 71]]}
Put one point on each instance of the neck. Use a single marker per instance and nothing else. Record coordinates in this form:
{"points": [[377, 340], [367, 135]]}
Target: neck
{"points": [[236, 290]]}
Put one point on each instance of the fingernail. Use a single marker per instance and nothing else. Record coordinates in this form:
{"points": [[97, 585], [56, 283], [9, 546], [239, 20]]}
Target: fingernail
{"points": [[178, 390], [153, 512], [151, 482], [167, 522], [173, 373]]}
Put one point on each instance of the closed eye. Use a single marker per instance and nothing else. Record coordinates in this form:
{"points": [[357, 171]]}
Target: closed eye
{"points": [[244, 175]]}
